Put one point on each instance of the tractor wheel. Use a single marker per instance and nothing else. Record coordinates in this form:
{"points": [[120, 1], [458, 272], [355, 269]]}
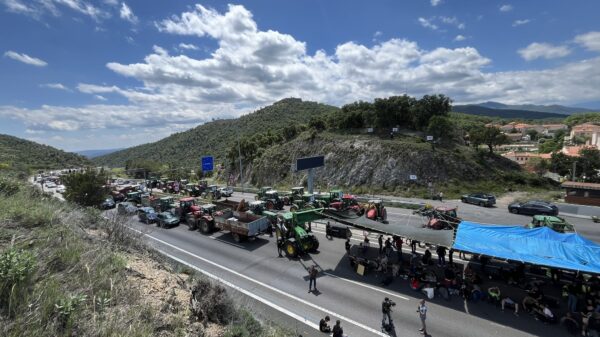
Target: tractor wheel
{"points": [[236, 237], [204, 227], [192, 224], [315, 245], [286, 201], [269, 205], [291, 249], [293, 208]]}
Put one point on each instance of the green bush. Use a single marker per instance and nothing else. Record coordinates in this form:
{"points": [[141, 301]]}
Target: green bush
{"points": [[16, 270]]}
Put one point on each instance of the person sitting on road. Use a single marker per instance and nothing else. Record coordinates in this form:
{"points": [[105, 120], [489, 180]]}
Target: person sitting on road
{"points": [[494, 294], [544, 314], [476, 293], [324, 325], [429, 290], [570, 323], [415, 284], [509, 301], [529, 303], [383, 261], [337, 329]]}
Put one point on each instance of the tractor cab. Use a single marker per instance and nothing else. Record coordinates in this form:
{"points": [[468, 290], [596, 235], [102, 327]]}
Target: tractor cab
{"points": [[256, 207], [272, 194], [297, 192], [165, 203], [134, 196], [263, 190], [335, 195], [208, 209], [187, 205]]}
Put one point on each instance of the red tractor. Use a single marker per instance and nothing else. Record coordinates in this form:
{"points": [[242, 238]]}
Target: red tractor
{"points": [[186, 205], [347, 203], [376, 210], [202, 218], [121, 194]]}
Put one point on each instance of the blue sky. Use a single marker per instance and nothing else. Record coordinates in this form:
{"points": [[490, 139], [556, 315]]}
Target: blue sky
{"points": [[82, 74]]}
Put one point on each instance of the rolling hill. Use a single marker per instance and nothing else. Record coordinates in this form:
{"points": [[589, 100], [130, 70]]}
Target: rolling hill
{"points": [[554, 108], [20, 154], [185, 148], [96, 153], [505, 113]]}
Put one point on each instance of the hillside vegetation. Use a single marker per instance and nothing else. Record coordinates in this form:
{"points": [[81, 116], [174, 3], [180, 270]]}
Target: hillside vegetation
{"points": [[216, 137], [67, 271], [18, 154]]}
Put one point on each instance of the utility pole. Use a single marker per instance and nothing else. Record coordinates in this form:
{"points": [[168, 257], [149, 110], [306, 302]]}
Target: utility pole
{"points": [[574, 170], [241, 169]]}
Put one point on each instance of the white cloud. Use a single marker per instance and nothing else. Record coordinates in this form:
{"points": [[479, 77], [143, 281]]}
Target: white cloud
{"points": [[435, 2], [506, 8], [127, 14], [517, 23], [188, 46], [57, 86], [543, 50], [459, 38], [452, 21], [100, 97], [253, 67], [111, 2], [590, 41], [25, 59], [37, 8], [427, 23]]}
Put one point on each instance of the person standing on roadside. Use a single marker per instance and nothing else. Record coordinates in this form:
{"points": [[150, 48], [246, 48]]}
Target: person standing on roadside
{"points": [[441, 252], [422, 311], [312, 278], [380, 241]]}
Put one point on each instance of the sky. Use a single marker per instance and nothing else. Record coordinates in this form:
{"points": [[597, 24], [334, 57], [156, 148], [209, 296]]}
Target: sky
{"points": [[83, 74]]}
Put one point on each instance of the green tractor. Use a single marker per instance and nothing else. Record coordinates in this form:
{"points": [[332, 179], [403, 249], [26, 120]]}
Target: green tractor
{"points": [[135, 197], [291, 234], [555, 223], [325, 199], [270, 197], [211, 193]]}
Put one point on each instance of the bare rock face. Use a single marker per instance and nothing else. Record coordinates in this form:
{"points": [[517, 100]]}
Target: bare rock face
{"points": [[385, 164]]}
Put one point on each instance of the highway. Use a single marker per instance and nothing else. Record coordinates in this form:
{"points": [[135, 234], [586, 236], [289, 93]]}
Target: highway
{"points": [[281, 284]]}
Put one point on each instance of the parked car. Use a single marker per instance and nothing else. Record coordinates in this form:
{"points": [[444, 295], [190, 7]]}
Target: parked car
{"points": [[50, 184], [108, 203], [167, 219], [147, 214], [61, 189], [126, 208], [226, 191], [533, 207], [481, 199]]}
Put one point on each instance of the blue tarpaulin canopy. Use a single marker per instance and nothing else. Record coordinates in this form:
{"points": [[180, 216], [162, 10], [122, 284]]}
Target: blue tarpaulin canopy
{"points": [[540, 246]]}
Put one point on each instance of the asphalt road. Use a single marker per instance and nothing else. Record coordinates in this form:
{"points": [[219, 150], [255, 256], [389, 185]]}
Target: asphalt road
{"points": [[281, 284]]}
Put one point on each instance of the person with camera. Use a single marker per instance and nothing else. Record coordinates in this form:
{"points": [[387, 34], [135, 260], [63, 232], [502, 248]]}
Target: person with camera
{"points": [[324, 325], [386, 309]]}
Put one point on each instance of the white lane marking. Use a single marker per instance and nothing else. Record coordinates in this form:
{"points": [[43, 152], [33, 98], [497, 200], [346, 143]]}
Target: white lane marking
{"points": [[245, 292], [347, 319], [367, 286]]}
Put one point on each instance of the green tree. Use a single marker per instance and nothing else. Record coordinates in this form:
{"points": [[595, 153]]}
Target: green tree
{"points": [[561, 164], [490, 136], [588, 164], [427, 107], [317, 124], [392, 111], [86, 188], [533, 134], [539, 165], [441, 128]]}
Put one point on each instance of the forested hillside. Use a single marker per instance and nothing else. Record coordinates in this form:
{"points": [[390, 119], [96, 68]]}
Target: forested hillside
{"points": [[216, 137], [19, 154]]}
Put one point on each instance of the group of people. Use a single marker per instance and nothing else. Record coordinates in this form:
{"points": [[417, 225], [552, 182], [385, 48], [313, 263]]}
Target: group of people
{"points": [[581, 296]]}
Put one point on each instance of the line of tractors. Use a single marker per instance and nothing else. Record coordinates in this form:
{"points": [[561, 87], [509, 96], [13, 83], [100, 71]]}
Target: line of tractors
{"points": [[246, 220]]}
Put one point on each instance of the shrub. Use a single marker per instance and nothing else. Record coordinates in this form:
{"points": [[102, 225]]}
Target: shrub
{"points": [[16, 269], [210, 303]]}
